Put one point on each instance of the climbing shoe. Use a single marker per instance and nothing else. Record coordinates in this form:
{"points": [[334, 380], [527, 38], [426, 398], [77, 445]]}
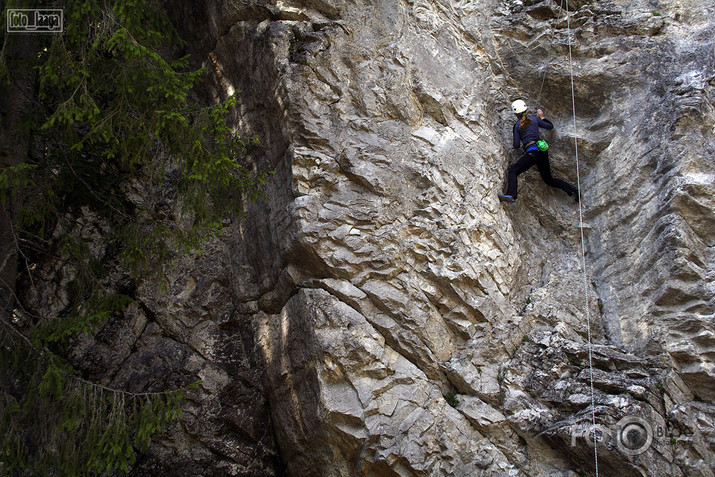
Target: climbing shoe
{"points": [[506, 198]]}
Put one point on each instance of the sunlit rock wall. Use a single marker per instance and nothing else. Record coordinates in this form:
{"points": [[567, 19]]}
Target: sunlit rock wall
{"points": [[409, 322]]}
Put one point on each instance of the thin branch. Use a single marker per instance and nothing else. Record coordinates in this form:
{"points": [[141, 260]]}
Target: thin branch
{"points": [[22, 336], [42, 354], [17, 300], [94, 193], [7, 259], [19, 250]]}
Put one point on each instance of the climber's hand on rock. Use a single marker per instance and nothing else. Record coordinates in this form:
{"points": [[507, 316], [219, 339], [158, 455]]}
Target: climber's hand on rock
{"points": [[540, 114]]}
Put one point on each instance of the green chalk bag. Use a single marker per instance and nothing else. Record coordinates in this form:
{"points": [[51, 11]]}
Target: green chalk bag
{"points": [[542, 145]]}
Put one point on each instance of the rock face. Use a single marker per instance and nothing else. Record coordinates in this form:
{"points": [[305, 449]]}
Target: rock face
{"points": [[391, 276], [382, 313]]}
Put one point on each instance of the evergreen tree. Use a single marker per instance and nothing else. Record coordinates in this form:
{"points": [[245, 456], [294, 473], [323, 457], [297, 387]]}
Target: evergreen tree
{"points": [[86, 114]]}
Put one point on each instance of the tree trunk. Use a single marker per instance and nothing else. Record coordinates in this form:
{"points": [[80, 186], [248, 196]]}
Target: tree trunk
{"points": [[17, 98]]}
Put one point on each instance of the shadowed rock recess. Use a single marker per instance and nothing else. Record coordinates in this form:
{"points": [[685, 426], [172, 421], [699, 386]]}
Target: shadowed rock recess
{"points": [[382, 313]]}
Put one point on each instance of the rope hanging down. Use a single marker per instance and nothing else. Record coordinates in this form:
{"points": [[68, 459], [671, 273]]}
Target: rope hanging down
{"points": [[583, 247]]}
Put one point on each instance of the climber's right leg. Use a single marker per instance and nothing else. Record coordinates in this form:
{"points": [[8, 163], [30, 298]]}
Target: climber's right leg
{"points": [[524, 163]]}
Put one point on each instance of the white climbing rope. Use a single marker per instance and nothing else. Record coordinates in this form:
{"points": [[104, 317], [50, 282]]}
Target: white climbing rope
{"points": [[583, 247]]}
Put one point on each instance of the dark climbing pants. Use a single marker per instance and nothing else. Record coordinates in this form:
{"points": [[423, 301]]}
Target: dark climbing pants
{"points": [[541, 160]]}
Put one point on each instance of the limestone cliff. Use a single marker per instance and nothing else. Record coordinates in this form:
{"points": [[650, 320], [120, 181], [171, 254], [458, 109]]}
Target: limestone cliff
{"points": [[382, 313]]}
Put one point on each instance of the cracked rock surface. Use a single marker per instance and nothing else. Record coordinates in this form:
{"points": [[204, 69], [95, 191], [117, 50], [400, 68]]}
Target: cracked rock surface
{"points": [[419, 327], [382, 313]]}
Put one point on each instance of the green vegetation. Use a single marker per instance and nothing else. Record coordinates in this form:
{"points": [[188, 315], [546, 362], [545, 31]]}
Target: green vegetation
{"points": [[56, 422], [451, 399], [526, 304], [111, 109], [110, 114]]}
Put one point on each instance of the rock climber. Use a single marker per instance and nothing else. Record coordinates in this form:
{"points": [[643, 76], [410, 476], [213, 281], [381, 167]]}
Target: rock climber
{"points": [[526, 132]]}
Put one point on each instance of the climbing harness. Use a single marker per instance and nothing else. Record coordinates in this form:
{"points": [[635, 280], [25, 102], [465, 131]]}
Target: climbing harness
{"points": [[531, 146], [539, 145], [583, 247]]}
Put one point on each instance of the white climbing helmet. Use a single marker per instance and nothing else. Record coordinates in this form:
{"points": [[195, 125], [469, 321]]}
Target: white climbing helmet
{"points": [[518, 106]]}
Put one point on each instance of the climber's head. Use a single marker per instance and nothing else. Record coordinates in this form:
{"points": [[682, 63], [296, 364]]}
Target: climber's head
{"points": [[519, 107]]}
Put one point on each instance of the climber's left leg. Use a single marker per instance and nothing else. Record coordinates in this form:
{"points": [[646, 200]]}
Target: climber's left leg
{"points": [[542, 162]]}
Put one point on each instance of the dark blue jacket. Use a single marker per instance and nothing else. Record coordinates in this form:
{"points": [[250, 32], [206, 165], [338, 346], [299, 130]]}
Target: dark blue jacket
{"points": [[531, 133]]}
